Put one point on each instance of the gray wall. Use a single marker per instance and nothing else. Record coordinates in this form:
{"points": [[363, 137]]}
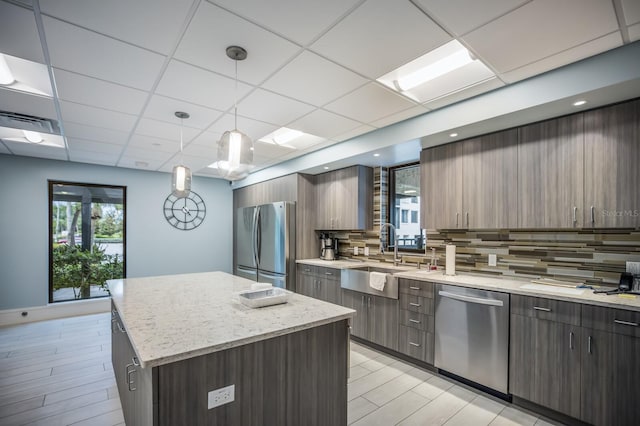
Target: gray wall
{"points": [[153, 246]]}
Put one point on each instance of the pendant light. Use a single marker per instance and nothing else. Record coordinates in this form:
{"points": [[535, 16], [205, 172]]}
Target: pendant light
{"points": [[235, 149], [181, 176]]}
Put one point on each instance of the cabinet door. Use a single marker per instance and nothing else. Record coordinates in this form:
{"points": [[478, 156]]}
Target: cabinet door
{"points": [[356, 301], [332, 290], [544, 363], [324, 201], [441, 186], [305, 284], [489, 173], [610, 378], [551, 173], [383, 321], [612, 166]]}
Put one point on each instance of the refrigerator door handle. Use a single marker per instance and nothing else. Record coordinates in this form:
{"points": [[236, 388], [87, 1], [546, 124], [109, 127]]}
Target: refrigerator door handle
{"points": [[272, 276], [243, 269], [254, 232], [258, 236]]}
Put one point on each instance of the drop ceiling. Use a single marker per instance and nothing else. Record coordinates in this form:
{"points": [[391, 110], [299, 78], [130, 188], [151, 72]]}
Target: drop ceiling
{"points": [[121, 68]]}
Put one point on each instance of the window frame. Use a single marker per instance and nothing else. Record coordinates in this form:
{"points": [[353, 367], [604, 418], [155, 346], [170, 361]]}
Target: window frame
{"points": [[50, 189], [391, 209]]}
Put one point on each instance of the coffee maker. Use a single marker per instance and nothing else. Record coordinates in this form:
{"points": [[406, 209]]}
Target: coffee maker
{"points": [[328, 247]]}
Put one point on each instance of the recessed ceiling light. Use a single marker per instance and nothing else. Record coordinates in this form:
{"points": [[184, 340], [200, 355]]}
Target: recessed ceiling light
{"points": [[141, 164], [24, 76], [33, 137], [580, 102], [6, 76], [453, 135], [326, 167], [376, 155], [434, 70]]}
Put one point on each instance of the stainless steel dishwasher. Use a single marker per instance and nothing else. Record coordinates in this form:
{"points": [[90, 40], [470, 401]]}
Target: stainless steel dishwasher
{"points": [[472, 335]]}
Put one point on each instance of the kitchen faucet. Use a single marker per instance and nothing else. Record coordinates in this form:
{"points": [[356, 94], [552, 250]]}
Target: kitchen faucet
{"points": [[395, 241]]}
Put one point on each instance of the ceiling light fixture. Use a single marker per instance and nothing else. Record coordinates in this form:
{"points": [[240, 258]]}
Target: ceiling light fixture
{"points": [[376, 155], [235, 149], [181, 175], [326, 167], [434, 70], [287, 135], [453, 135], [33, 137], [579, 103], [6, 76]]}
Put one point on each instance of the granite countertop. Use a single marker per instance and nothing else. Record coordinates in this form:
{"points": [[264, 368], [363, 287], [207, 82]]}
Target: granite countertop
{"points": [[495, 283], [175, 317]]}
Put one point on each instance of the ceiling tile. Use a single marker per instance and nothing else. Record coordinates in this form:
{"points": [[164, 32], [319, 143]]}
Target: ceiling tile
{"points": [[209, 152], [634, 32], [19, 25], [272, 108], [400, 116], [213, 29], [165, 131], [566, 57], [269, 150], [98, 148], [96, 134], [89, 91], [631, 11], [93, 158], [314, 80], [207, 139], [154, 144], [98, 117], [379, 36], [147, 163], [124, 19], [101, 57], [469, 92], [191, 161], [369, 103], [23, 103], [299, 21], [195, 85], [35, 150], [476, 13], [145, 154], [324, 123], [540, 29], [164, 109], [252, 128]]}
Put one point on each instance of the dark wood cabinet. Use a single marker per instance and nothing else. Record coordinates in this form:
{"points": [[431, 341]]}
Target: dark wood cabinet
{"points": [[441, 186], [376, 318], [319, 282], [416, 329], [344, 199]]}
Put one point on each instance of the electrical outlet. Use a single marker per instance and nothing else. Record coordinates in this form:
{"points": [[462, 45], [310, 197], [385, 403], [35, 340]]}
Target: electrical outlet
{"points": [[366, 251], [493, 260], [633, 268], [355, 251], [221, 396]]}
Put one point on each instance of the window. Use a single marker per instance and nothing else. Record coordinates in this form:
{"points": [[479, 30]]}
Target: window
{"points": [[87, 239], [404, 194]]}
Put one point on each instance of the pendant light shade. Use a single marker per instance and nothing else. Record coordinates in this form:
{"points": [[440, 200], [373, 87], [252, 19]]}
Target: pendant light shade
{"points": [[235, 149], [181, 175]]}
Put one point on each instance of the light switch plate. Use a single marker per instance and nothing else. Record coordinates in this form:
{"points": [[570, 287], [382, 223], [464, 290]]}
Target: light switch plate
{"points": [[218, 397], [493, 260], [366, 251], [355, 251], [633, 268]]}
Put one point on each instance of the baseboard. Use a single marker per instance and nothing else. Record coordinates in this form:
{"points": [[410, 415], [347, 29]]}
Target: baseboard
{"points": [[54, 311]]}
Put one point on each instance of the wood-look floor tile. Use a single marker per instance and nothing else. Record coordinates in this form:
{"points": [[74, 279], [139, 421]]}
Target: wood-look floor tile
{"points": [[441, 409], [481, 411], [394, 411], [358, 408], [396, 387], [511, 416], [433, 387], [371, 381], [75, 391], [107, 419], [357, 372], [79, 414], [21, 406]]}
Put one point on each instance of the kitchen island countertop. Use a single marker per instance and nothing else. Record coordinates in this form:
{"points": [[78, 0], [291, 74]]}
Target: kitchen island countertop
{"points": [[175, 317]]}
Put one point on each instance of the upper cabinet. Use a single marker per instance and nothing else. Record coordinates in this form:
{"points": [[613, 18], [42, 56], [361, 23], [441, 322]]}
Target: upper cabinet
{"points": [[612, 166], [578, 171], [470, 184], [344, 199], [550, 178]]}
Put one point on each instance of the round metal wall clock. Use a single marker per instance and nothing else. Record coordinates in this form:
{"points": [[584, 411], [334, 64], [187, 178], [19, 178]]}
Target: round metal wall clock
{"points": [[184, 213]]}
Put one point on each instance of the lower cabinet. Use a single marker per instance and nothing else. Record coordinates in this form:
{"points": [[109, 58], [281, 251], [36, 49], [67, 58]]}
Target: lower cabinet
{"points": [[134, 383], [579, 360], [319, 282], [416, 319], [376, 318]]}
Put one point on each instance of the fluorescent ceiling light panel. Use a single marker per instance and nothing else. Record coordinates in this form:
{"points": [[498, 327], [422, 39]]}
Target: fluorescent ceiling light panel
{"points": [[12, 135], [290, 138], [24, 76], [443, 66], [33, 137]]}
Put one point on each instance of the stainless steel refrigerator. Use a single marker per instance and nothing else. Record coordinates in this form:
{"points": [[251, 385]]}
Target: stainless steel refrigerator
{"points": [[265, 243]]}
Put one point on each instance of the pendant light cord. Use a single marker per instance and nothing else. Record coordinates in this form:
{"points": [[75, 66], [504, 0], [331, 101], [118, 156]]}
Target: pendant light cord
{"points": [[235, 100], [181, 154]]}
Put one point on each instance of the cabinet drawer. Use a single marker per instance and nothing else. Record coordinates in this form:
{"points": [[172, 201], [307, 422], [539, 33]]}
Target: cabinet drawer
{"points": [[307, 269], [546, 309], [415, 287], [417, 320], [418, 304], [613, 320], [416, 343], [329, 273]]}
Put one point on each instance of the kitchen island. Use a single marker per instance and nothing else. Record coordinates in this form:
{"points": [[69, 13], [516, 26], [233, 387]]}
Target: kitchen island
{"points": [[177, 338]]}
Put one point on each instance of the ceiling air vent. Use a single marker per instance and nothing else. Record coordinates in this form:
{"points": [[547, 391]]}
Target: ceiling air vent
{"points": [[28, 122]]}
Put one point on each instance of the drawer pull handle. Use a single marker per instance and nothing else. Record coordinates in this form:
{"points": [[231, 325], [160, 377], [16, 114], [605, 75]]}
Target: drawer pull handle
{"points": [[417, 345], [632, 324], [589, 346], [417, 305], [571, 340], [414, 321], [414, 288], [538, 308], [307, 270], [328, 273]]}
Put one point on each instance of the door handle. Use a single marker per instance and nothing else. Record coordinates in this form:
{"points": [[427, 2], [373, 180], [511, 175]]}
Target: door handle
{"points": [[467, 219], [415, 305], [589, 345], [632, 324], [571, 340], [575, 215], [538, 308], [417, 345], [414, 321], [414, 288], [471, 299], [593, 215]]}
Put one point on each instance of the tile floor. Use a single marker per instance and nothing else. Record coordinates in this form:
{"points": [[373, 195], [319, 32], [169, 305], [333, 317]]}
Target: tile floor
{"points": [[59, 373]]}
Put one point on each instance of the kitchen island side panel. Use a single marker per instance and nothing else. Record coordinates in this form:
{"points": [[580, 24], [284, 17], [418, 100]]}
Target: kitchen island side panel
{"points": [[294, 379]]}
